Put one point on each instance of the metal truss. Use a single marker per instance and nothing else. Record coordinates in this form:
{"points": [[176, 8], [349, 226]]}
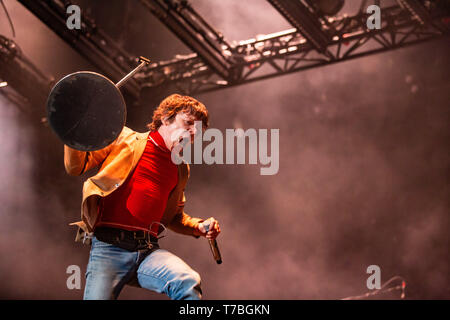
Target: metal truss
{"points": [[289, 51], [215, 64], [194, 31], [306, 22], [91, 41], [31, 85]]}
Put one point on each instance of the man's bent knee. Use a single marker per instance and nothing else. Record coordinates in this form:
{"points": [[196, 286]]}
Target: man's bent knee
{"points": [[187, 287]]}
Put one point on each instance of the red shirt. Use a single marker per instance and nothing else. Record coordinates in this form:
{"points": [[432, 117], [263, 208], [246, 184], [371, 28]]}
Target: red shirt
{"points": [[142, 198]]}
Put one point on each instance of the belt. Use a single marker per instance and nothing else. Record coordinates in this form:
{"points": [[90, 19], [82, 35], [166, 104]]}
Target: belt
{"points": [[125, 239]]}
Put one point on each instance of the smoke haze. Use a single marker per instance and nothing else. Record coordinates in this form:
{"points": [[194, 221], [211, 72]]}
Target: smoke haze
{"points": [[363, 177]]}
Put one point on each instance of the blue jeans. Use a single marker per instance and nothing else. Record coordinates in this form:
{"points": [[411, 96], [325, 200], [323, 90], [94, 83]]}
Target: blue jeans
{"points": [[111, 267]]}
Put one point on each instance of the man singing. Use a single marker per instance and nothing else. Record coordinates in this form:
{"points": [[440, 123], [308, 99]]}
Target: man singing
{"points": [[137, 192]]}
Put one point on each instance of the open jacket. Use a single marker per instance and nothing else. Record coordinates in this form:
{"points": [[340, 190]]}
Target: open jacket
{"points": [[116, 162]]}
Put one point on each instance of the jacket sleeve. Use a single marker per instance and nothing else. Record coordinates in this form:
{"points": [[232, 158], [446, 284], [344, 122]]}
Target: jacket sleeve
{"points": [[184, 223], [78, 162]]}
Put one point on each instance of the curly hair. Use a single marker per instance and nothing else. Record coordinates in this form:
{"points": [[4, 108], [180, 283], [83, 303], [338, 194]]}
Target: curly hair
{"points": [[175, 103]]}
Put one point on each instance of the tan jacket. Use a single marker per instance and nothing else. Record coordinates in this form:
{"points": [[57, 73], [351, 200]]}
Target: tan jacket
{"points": [[116, 162]]}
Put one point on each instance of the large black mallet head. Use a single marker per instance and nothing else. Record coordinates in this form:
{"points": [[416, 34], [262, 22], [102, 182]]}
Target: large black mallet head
{"points": [[86, 111]]}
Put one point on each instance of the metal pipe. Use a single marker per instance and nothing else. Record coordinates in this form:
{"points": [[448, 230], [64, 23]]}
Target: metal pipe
{"points": [[144, 62]]}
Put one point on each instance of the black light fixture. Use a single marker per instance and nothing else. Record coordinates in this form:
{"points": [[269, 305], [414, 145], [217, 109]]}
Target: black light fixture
{"points": [[307, 22], [327, 7]]}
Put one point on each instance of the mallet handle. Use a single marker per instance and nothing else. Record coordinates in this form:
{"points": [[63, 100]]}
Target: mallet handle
{"points": [[144, 61]]}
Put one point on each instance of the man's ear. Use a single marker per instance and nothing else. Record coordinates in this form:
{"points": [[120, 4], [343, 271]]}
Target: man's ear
{"points": [[166, 120]]}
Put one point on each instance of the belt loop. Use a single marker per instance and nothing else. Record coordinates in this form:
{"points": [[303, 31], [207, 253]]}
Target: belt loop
{"points": [[139, 237]]}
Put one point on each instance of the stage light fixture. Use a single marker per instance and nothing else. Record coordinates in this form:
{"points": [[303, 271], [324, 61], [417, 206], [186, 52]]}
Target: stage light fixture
{"points": [[306, 21], [327, 7]]}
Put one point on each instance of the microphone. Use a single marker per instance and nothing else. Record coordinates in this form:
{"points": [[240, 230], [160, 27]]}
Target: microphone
{"points": [[213, 244]]}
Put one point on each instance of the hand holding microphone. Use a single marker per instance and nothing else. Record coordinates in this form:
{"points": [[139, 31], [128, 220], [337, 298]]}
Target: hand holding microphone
{"points": [[211, 228]]}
